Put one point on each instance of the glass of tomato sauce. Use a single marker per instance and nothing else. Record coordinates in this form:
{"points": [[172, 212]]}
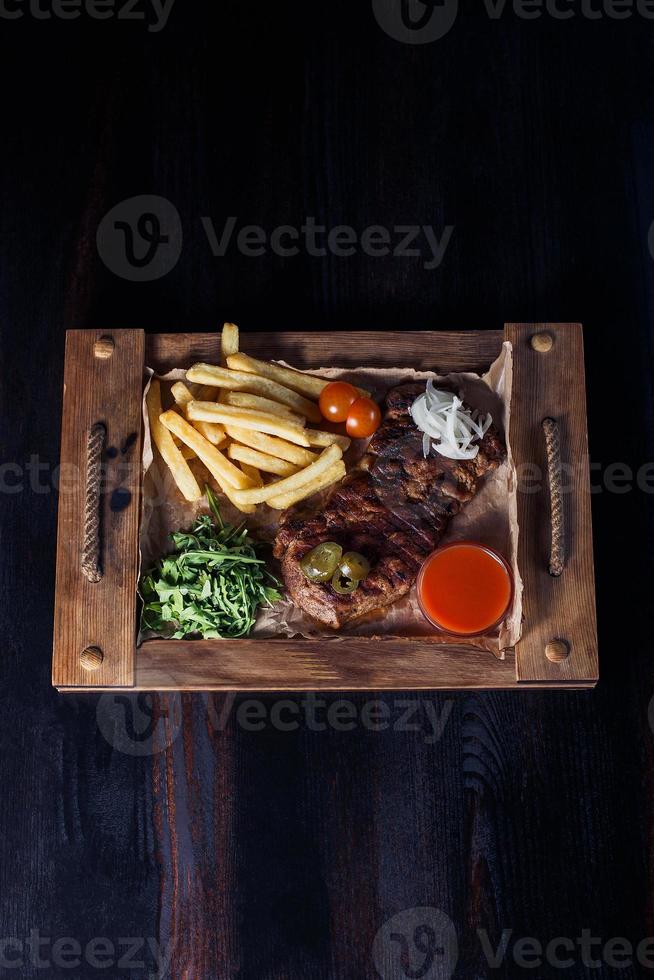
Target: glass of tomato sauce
{"points": [[465, 589]]}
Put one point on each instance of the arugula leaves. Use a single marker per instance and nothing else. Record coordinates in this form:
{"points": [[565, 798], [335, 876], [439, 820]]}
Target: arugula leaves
{"points": [[211, 585]]}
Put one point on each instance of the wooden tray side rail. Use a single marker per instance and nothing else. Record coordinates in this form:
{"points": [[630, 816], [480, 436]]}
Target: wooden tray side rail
{"points": [[99, 502], [549, 434], [425, 350], [95, 621]]}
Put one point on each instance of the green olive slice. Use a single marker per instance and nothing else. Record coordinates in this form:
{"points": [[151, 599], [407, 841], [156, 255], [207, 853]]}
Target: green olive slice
{"points": [[319, 564], [342, 584], [354, 565]]}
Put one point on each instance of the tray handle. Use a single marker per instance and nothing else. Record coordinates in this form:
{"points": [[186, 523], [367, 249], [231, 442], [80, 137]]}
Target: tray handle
{"points": [[555, 481], [91, 560]]}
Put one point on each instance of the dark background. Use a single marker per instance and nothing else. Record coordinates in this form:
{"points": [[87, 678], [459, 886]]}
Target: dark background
{"points": [[280, 854]]}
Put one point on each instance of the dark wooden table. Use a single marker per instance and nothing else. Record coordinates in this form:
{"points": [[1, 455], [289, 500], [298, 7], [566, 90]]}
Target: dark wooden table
{"points": [[270, 854]]}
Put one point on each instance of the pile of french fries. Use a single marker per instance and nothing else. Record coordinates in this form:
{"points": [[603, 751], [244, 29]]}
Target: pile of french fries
{"points": [[246, 421]]}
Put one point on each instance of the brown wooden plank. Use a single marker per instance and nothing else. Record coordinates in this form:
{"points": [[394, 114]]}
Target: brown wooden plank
{"points": [[551, 384], [103, 614], [431, 350], [318, 665]]}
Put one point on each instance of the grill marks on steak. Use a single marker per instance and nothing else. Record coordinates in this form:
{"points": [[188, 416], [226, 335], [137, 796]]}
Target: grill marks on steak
{"points": [[394, 510]]}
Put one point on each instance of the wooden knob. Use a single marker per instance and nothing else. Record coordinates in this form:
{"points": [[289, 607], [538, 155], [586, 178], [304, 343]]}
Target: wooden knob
{"points": [[91, 658], [104, 348], [557, 650], [542, 342]]}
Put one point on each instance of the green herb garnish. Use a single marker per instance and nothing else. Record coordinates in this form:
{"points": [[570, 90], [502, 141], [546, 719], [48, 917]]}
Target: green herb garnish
{"points": [[211, 585]]}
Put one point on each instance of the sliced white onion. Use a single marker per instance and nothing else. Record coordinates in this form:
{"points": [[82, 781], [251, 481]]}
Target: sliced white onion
{"points": [[448, 427], [426, 445]]}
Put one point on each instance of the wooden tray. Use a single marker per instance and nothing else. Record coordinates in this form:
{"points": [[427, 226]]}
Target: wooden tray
{"points": [[96, 621]]}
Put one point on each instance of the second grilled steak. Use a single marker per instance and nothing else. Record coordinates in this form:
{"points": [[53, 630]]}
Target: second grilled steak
{"points": [[394, 510]]}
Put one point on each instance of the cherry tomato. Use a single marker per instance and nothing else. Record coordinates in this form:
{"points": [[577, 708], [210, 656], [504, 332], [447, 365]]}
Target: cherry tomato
{"points": [[335, 400], [363, 418]]}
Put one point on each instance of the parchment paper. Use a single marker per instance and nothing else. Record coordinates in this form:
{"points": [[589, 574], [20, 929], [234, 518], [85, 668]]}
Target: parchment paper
{"points": [[490, 517]]}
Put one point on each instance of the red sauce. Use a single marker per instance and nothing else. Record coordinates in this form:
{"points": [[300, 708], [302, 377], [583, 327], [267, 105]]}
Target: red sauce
{"points": [[465, 588]]}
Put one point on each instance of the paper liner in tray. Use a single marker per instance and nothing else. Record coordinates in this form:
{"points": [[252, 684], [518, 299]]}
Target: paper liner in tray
{"points": [[490, 517]]}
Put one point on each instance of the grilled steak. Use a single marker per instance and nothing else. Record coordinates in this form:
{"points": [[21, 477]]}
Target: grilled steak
{"points": [[394, 510]]}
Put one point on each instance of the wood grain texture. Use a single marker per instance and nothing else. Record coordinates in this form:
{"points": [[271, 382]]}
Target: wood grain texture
{"points": [[99, 614], [551, 384], [425, 350], [321, 665]]}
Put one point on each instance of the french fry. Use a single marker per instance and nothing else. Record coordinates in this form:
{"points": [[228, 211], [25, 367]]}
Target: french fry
{"points": [[269, 464], [171, 455], [257, 495], [229, 493], [335, 473], [228, 342], [319, 438], [181, 394], [271, 445], [252, 472], [246, 418], [218, 465], [211, 431], [245, 399], [305, 384], [256, 385]]}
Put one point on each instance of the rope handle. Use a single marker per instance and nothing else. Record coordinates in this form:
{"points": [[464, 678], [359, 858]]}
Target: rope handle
{"points": [[91, 565], [553, 453]]}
